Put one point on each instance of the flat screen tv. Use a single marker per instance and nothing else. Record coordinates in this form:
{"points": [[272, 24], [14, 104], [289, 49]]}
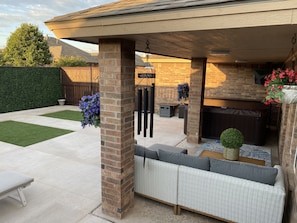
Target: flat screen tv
{"points": [[259, 76]]}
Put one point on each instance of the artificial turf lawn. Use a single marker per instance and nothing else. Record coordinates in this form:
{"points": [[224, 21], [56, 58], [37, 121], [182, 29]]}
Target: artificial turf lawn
{"points": [[66, 114], [24, 134]]}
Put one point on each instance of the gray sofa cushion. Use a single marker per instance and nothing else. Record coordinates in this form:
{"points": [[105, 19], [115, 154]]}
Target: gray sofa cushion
{"points": [[144, 152], [167, 148], [261, 174], [184, 159]]}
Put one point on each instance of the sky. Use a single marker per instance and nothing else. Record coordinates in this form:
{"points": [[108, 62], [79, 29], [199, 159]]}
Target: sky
{"points": [[15, 12]]}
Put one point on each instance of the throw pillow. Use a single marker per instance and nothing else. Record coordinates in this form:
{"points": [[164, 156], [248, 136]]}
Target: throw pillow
{"points": [[195, 162], [184, 159], [261, 174], [144, 152], [157, 147], [169, 157]]}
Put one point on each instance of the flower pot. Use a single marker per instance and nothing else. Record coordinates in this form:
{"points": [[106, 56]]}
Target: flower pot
{"points": [[290, 94], [181, 111], [231, 154], [61, 101]]}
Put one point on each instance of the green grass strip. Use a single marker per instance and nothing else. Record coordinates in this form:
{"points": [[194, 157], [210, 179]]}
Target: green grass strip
{"points": [[24, 134], [66, 114]]}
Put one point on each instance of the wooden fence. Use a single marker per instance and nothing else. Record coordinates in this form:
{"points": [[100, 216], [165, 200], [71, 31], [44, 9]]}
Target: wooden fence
{"points": [[79, 81]]}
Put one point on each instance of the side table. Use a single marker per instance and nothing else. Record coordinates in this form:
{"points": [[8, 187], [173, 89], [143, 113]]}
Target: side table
{"points": [[217, 155]]}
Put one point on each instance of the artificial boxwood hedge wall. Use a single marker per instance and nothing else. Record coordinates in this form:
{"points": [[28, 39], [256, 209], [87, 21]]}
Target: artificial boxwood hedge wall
{"points": [[29, 87]]}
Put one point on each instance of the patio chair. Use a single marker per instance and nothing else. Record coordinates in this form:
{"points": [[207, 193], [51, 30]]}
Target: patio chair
{"points": [[12, 182]]}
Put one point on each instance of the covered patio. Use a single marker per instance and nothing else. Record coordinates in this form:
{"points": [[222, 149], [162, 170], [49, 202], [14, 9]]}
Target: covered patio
{"points": [[206, 32], [66, 172]]}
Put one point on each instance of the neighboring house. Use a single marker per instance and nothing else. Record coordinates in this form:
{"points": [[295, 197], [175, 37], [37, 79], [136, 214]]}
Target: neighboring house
{"points": [[78, 81], [226, 41], [58, 49]]}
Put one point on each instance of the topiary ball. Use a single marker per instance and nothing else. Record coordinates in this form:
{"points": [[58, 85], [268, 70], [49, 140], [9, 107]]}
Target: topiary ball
{"points": [[231, 138]]}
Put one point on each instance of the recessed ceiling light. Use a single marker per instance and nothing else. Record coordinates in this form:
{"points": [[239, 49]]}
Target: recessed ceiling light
{"points": [[220, 52], [241, 61]]}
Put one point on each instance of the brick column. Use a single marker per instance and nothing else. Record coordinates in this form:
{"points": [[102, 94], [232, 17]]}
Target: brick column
{"points": [[117, 67], [196, 96], [288, 141], [283, 141]]}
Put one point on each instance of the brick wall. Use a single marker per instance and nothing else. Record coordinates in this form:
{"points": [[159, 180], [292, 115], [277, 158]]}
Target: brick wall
{"points": [[168, 76], [287, 150], [232, 82], [223, 81]]}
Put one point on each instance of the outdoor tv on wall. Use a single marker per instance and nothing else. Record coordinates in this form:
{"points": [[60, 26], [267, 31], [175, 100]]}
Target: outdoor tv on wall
{"points": [[260, 75]]}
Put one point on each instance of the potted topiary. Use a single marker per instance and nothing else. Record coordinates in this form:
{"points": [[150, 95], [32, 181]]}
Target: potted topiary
{"points": [[232, 140]]}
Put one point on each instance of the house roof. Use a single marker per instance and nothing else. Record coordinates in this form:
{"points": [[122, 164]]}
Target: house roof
{"points": [[249, 31], [59, 49], [138, 6]]}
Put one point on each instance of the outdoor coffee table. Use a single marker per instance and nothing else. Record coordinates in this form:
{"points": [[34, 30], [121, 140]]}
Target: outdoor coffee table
{"points": [[218, 155]]}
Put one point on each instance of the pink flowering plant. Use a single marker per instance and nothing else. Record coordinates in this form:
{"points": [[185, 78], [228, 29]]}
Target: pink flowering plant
{"points": [[90, 109], [274, 83]]}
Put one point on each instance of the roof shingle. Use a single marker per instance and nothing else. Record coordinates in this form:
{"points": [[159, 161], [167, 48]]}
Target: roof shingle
{"points": [[138, 6]]}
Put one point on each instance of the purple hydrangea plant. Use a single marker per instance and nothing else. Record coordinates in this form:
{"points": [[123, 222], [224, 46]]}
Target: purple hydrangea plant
{"points": [[90, 109], [182, 91]]}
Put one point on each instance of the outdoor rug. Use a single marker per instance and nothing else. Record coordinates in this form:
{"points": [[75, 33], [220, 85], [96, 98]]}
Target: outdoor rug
{"points": [[251, 151]]}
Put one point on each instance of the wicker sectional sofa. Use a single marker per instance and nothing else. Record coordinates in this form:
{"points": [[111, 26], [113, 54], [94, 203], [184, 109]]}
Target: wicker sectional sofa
{"points": [[214, 188]]}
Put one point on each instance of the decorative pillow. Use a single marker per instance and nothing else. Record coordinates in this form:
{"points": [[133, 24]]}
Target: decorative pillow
{"points": [[144, 152], [261, 174], [157, 147], [184, 159], [169, 157], [195, 162]]}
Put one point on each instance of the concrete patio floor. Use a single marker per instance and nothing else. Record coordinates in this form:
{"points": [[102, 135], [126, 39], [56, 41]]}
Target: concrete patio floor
{"points": [[67, 175]]}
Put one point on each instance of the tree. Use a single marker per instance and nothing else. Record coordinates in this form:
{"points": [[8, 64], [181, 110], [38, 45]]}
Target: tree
{"points": [[27, 47], [2, 61], [70, 61]]}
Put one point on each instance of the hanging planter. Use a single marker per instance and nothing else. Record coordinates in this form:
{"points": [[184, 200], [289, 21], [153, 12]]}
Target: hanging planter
{"points": [[280, 87], [289, 94]]}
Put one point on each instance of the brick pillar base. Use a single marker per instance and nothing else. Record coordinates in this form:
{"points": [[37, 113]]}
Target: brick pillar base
{"points": [[197, 84], [117, 68], [287, 149]]}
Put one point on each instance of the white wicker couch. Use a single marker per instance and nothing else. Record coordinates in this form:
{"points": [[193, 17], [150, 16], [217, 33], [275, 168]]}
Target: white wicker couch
{"points": [[157, 180], [216, 195], [231, 198]]}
